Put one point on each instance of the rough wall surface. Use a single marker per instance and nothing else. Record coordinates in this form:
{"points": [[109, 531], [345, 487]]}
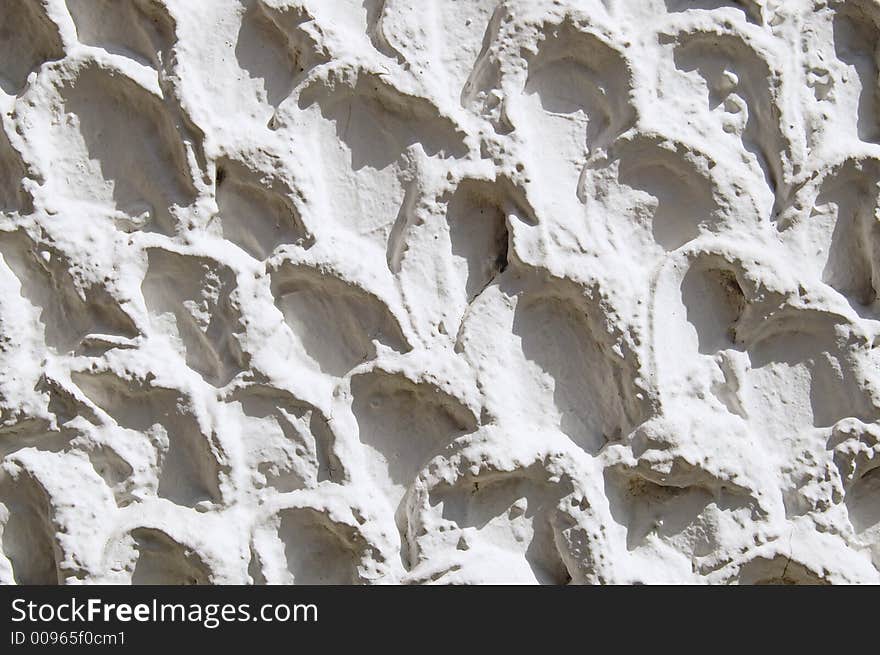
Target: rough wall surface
{"points": [[380, 291]]}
